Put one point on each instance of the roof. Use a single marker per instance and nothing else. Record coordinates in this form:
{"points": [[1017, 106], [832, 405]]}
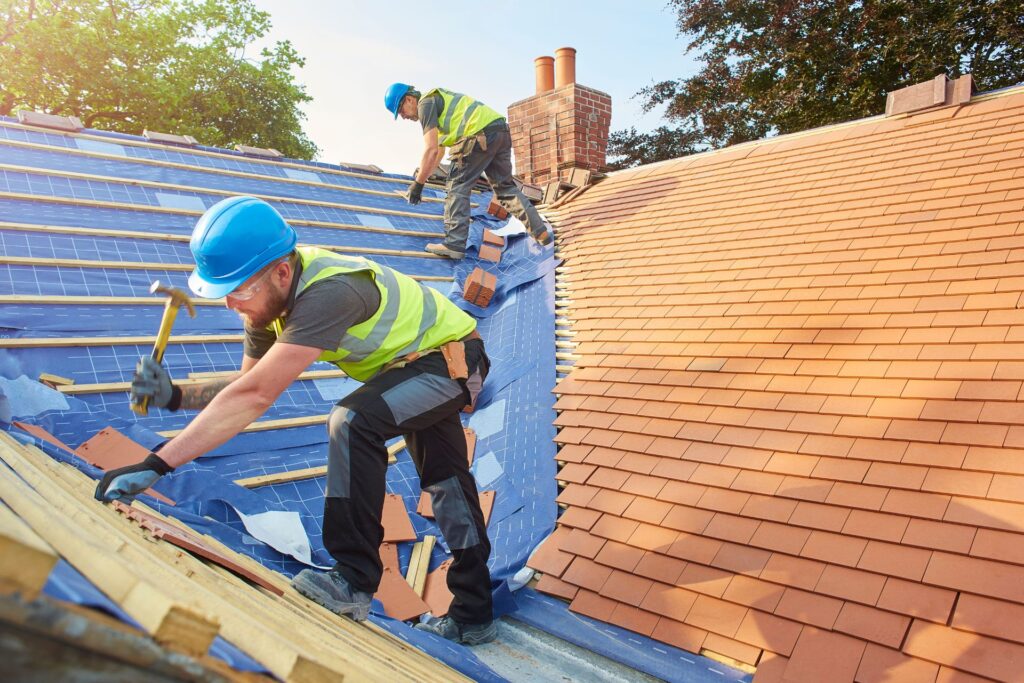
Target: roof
{"points": [[794, 433], [89, 220]]}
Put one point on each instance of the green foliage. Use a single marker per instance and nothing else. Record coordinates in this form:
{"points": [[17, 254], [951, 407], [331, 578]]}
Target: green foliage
{"points": [[781, 66], [176, 66]]}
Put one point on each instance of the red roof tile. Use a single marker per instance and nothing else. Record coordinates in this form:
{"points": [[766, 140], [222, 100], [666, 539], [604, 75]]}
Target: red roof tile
{"points": [[799, 399], [823, 656]]}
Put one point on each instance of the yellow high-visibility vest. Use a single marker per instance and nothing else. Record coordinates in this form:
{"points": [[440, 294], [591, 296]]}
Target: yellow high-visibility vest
{"points": [[411, 316], [461, 117]]}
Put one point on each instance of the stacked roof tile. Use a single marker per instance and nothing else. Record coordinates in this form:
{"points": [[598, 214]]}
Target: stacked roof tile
{"points": [[795, 434]]}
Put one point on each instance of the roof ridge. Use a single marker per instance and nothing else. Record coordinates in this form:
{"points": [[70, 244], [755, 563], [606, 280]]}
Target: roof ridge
{"points": [[993, 94]]}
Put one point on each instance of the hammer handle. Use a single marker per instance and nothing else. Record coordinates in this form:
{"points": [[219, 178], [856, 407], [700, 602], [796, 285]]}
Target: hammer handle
{"points": [[162, 337]]}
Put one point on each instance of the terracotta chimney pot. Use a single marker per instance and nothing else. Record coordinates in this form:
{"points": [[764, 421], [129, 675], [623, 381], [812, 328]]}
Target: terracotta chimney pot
{"points": [[565, 66], [544, 68]]}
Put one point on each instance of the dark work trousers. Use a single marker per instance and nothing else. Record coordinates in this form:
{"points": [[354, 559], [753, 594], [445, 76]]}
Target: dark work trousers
{"points": [[421, 402], [495, 162]]}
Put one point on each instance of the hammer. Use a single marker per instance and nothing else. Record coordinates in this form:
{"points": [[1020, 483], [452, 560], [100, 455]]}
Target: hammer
{"points": [[175, 300]]}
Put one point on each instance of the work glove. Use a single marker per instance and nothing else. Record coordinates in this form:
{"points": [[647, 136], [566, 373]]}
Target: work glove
{"points": [[125, 483], [151, 379], [415, 193]]}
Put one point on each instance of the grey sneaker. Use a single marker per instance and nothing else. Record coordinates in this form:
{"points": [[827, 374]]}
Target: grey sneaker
{"points": [[439, 249], [467, 634], [331, 590]]}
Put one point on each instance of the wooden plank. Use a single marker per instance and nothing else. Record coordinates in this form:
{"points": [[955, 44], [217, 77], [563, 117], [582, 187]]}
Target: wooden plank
{"points": [[202, 153], [184, 626], [25, 559], [101, 204], [54, 381], [291, 648], [265, 425], [162, 163], [168, 237], [306, 473], [97, 300], [361, 648], [420, 563], [55, 342], [193, 379], [51, 640], [183, 267]]}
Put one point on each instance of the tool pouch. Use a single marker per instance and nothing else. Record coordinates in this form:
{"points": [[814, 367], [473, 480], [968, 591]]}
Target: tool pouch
{"points": [[455, 357], [460, 150]]}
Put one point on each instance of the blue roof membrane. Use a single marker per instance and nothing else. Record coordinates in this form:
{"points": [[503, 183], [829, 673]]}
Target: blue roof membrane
{"points": [[44, 206]]}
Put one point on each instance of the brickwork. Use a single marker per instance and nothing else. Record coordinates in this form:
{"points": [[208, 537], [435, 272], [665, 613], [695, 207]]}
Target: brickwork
{"points": [[559, 130]]}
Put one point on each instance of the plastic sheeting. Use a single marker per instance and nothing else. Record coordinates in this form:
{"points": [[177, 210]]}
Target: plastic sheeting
{"points": [[514, 419]]}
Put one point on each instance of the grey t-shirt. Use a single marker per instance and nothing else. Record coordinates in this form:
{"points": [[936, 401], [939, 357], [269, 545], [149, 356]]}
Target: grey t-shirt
{"points": [[320, 315], [429, 110]]}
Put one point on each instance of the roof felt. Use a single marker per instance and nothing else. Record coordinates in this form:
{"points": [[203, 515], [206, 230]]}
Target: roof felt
{"points": [[90, 219], [795, 433]]}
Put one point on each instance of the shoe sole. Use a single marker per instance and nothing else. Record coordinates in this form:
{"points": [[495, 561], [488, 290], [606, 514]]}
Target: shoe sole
{"points": [[356, 611], [481, 637], [478, 640], [472, 639]]}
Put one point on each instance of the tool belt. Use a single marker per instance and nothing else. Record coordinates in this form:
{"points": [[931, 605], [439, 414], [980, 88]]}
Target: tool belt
{"points": [[464, 147], [454, 353]]}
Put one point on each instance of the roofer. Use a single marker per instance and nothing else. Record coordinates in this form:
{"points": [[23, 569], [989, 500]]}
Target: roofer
{"points": [[421, 361], [478, 142]]}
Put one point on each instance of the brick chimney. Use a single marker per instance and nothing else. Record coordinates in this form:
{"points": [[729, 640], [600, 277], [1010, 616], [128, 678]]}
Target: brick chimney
{"points": [[563, 126]]}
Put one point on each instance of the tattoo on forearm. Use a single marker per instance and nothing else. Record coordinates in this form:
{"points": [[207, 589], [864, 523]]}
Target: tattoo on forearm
{"points": [[198, 396]]}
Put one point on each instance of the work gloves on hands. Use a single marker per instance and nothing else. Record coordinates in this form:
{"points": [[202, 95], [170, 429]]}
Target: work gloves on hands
{"points": [[151, 379], [415, 193], [125, 483]]}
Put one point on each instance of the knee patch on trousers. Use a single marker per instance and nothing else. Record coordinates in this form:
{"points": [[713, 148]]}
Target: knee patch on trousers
{"points": [[451, 511], [339, 460]]}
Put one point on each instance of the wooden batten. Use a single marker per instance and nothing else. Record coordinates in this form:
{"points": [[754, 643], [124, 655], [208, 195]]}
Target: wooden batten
{"points": [[294, 638]]}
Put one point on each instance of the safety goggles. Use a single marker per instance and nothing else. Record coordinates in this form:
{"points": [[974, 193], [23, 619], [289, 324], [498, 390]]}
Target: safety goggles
{"points": [[253, 289]]}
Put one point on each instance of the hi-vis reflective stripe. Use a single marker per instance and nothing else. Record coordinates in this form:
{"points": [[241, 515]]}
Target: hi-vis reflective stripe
{"points": [[465, 119], [360, 349], [411, 317], [452, 105]]}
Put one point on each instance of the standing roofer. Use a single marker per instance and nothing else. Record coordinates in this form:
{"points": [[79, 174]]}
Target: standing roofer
{"points": [[478, 141], [421, 361]]}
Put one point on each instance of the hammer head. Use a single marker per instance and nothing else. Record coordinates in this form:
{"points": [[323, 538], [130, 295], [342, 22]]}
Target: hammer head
{"points": [[177, 297]]}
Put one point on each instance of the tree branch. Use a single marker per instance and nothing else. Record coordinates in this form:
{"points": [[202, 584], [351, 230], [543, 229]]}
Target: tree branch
{"points": [[115, 115]]}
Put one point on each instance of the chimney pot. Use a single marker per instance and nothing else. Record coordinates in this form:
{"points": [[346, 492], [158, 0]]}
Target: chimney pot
{"points": [[544, 68], [565, 66]]}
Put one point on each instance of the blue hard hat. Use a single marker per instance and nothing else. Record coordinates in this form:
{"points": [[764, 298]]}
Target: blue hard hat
{"points": [[393, 96], [233, 240]]}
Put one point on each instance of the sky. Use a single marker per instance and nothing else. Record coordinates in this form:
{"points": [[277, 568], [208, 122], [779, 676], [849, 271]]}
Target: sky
{"points": [[354, 50]]}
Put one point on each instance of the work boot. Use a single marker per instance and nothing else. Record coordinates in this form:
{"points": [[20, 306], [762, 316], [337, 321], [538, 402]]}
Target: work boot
{"points": [[441, 250], [331, 590], [543, 239], [467, 634]]}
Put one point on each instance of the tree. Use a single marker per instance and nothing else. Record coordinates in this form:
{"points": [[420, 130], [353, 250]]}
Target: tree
{"points": [[175, 66], [781, 66]]}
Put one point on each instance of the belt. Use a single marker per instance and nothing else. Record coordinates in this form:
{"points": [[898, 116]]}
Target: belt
{"points": [[415, 355]]}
